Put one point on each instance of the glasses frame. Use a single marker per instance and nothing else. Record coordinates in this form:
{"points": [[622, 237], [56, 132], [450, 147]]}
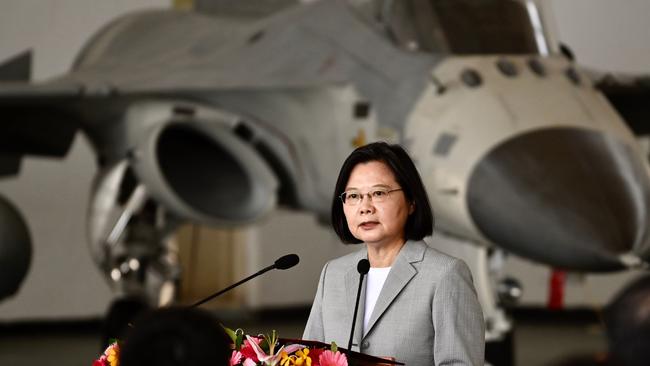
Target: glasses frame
{"points": [[388, 192]]}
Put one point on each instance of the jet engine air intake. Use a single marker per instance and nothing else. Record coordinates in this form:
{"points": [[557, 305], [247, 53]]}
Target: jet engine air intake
{"points": [[202, 171]]}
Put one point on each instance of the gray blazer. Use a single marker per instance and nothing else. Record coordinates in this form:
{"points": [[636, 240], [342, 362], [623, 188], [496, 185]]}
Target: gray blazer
{"points": [[427, 312]]}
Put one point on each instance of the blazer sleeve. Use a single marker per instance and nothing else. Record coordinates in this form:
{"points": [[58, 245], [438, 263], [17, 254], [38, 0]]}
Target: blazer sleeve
{"points": [[314, 329], [457, 319]]}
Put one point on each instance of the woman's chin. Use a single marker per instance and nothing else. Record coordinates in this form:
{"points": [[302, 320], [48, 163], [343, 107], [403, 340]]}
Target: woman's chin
{"points": [[367, 236], [373, 240]]}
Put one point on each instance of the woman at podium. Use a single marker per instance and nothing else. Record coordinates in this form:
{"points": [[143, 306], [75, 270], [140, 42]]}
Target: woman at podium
{"points": [[417, 304]]}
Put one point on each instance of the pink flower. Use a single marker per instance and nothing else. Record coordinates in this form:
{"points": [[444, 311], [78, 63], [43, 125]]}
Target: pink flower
{"points": [[235, 358], [329, 358], [273, 359], [101, 361]]}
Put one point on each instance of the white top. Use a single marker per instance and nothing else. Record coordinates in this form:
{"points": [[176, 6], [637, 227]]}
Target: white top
{"points": [[375, 281]]}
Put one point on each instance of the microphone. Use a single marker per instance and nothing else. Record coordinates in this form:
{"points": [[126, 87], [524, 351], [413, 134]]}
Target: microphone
{"points": [[284, 262], [362, 267]]}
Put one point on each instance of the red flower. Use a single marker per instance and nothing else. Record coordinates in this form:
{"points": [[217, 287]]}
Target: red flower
{"points": [[314, 354], [101, 361], [247, 350]]}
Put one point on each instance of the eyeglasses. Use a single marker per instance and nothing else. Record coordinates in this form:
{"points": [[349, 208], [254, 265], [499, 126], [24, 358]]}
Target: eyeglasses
{"points": [[353, 198]]}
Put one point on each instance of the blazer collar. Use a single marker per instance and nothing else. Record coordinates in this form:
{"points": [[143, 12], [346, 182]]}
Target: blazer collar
{"points": [[401, 273]]}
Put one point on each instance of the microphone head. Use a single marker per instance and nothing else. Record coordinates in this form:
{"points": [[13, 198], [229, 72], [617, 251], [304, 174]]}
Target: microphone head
{"points": [[363, 266], [287, 261]]}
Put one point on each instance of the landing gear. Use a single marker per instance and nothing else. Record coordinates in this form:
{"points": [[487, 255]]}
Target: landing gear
{"points": [[130, 239]]}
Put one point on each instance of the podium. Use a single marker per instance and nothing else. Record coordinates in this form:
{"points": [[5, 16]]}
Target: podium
{"points": [[354, 358]]}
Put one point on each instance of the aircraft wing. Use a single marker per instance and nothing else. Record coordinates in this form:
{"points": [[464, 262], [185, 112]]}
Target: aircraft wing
{"points": [[34, 118]]}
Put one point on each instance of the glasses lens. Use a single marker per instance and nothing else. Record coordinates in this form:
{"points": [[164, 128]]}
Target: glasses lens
{"points": [[354, 198], [379, 195]]}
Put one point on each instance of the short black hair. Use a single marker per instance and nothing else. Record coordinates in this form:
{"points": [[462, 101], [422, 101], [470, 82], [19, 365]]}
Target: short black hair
{"points": [[420, 223], [176, 336]]}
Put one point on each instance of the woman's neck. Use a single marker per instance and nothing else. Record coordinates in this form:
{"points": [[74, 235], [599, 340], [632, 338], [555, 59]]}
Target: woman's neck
{"points": [[383, 256]]}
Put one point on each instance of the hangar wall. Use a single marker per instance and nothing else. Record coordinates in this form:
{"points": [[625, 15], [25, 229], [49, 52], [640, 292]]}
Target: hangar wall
{"points": [[52, 194]]}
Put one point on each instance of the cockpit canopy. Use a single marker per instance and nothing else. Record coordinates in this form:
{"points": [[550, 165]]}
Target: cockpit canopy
{"points": [[461, 26]]}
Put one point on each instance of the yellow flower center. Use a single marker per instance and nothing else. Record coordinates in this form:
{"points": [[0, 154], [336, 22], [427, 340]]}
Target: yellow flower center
{"points": [[113, 357], [299, 359]]}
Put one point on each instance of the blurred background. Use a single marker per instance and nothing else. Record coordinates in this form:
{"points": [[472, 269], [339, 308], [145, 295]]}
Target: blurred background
{"points": [[56, 315]]}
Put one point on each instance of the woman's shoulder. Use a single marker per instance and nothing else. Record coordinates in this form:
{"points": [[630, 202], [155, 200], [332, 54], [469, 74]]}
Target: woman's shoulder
{"points": [[439, 261], [347, 261], [431, 254]]}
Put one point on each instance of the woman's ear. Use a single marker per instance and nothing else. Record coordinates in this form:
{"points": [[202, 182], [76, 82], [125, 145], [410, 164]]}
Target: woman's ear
{"points": [[411, 207]]}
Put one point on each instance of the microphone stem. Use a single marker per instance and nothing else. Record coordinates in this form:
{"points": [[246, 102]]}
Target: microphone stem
{"points": [[356, 309], [233, 286]]}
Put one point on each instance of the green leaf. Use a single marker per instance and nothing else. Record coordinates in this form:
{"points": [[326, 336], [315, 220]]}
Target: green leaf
{"points": [[264, 344], [112, 341], [240, 338], [334, 347], [230, 332]]}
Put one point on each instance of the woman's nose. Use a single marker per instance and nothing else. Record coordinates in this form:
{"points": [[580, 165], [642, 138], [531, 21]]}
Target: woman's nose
{"points": [[365, 206]]}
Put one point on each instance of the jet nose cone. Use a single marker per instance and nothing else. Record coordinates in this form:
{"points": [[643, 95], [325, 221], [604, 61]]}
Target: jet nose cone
{"points": [[571, 198]]}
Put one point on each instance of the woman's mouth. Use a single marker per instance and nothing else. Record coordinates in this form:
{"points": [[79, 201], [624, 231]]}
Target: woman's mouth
{"points": [[367, 225]]}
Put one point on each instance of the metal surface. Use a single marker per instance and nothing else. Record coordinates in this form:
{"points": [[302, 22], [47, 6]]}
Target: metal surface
{"points": [[569, 197]]}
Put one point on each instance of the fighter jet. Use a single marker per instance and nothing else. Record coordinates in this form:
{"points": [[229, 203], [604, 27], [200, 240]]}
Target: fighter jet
{"points": [[219, 119]]}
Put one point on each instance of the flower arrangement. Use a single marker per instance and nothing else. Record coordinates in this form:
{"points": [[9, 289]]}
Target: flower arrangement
{"points": [[111, 356], [269, 350], [262, 350]]}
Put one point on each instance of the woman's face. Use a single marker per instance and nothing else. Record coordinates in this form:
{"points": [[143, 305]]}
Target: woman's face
{"points": [[376, 223]]}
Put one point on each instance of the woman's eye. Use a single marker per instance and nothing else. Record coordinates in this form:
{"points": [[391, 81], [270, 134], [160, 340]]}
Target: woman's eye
{"points": [[353, 196], [378, 193]]}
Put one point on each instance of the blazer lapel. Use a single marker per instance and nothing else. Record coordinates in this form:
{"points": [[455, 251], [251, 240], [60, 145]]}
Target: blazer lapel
{"points": [[351, 288], [400, 275]]}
